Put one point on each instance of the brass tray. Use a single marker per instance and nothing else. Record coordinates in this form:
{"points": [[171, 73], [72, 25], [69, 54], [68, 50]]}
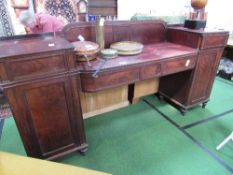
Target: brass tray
{"points": [[108, 53], [127, 47]]}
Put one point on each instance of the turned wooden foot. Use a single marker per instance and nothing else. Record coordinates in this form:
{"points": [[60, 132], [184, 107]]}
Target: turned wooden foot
{"points": [[204, 104], [83, 151], [160, 97], [183, 111], [135, 100]]}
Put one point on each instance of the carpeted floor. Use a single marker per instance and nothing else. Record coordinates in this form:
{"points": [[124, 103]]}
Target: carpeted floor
{"points": [[152, 137]]}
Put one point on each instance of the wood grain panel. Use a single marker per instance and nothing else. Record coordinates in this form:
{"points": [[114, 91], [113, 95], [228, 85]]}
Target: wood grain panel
{"points": [[108, 79], [184, 37], [103, 11], [28, 68], [148, 33], [3, 74], [177, 87], [84, 29], [122, 33], [150, 71], [172, 66], [108, 36], [203, 81], [49, 112], [142, 31], [103, 101], [102, 3], [214, 40], [102, 7], [143, 88]]}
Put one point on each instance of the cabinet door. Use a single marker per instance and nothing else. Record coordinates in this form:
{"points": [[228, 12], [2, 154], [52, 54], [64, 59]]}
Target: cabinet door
{"points": [[207, 63], [46, 119]]}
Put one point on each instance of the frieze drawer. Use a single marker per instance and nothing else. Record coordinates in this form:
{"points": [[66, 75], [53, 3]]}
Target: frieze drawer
{"points": [[150, 71], [108, 79], [27, 67], [178, 65], [214, 40]]}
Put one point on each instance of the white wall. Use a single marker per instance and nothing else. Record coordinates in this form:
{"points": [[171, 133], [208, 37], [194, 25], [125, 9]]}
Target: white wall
{"points": [[220, 12], [127, 8]]}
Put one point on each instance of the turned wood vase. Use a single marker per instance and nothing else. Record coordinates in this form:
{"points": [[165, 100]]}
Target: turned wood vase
{"points": [[198, 4]]}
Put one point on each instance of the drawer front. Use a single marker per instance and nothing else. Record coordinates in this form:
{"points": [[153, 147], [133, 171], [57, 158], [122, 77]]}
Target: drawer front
{"points": [[178, 65], [108, 79], [150, 71], [214, 40], [35, 67]]}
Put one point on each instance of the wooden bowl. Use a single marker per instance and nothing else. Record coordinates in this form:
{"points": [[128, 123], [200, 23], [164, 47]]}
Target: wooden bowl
{"points": [[198, 4], [86, 57], [85, 49]]}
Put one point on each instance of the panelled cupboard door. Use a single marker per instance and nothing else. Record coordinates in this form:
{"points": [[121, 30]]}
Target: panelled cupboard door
{"points": [[204, 75], [46, 120]]}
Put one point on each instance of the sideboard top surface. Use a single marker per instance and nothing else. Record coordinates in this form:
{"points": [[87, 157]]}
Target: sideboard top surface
{"points": [[151, 53], [201, 31], [32, 45]]}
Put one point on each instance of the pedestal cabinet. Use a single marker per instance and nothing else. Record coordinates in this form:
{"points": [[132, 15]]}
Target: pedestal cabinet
{"points": [[193, 87], [42, 89]]}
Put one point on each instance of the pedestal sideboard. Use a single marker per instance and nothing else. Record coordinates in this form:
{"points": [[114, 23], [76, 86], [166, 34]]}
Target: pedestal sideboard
{"points": [[42, 79]]}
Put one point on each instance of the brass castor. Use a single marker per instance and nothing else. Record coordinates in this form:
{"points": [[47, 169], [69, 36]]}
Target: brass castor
{"points": [[160, 97], [83, 151], [183, 111], [204, 105]]}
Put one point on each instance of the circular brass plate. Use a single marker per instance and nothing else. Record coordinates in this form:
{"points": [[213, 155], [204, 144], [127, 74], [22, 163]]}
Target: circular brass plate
{"points": [[127, 47]]}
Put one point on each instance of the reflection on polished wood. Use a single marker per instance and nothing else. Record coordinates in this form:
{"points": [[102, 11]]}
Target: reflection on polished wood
{"points": [[43, 91]]}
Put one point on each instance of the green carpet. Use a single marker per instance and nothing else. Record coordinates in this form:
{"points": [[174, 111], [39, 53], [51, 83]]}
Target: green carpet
{"points": [[211, 134], [220, 101], [134, 140], [11, 141], [137, 140]]}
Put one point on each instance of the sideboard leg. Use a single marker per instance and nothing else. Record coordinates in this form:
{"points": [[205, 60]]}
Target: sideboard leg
{"points": [[1, 126], [204, 104], [83, 151], [160, 97], [183, 111]]}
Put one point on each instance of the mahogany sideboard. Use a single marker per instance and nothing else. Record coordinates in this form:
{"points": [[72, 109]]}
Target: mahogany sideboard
{"points": [[42, 79]]}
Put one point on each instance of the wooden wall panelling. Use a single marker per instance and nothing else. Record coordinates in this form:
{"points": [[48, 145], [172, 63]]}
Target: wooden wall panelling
{"points": [[102, 7]]}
